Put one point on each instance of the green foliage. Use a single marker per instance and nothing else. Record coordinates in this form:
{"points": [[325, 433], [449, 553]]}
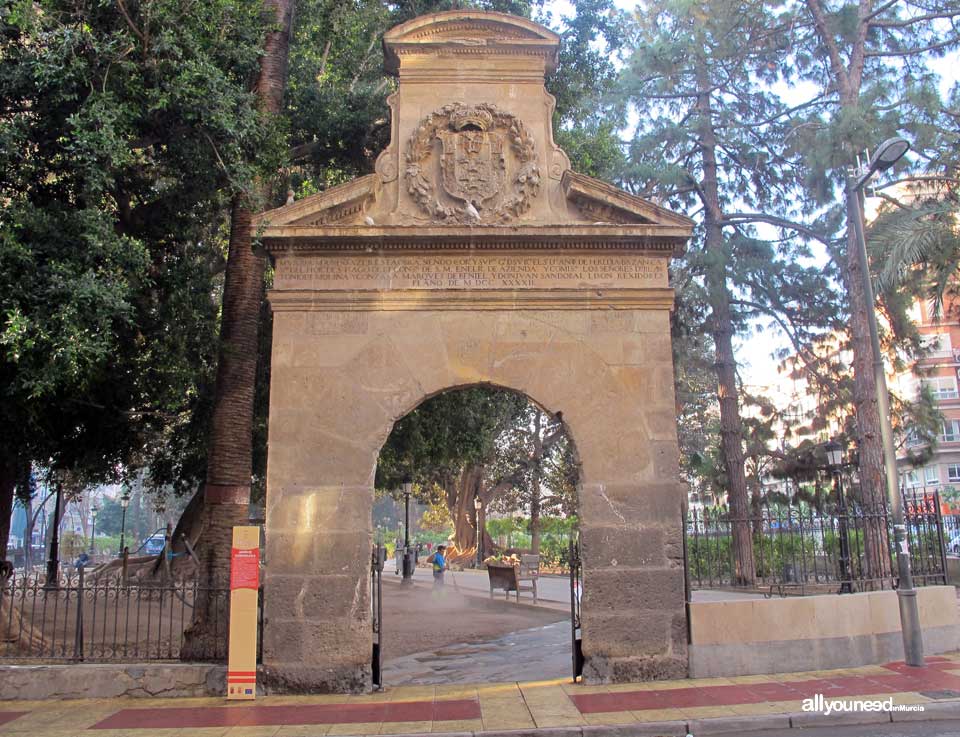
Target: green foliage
{"points": [[514, 532], [337, 90], [433, 442], [123, 131]]}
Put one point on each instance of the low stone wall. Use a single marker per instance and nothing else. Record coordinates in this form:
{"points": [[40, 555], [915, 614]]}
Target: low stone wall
{"points": [[98, 681], [752, 636], [953, 570]]}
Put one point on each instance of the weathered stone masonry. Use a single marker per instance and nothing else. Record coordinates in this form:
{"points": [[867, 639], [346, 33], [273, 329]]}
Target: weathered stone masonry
{"points": [[473, 255]]}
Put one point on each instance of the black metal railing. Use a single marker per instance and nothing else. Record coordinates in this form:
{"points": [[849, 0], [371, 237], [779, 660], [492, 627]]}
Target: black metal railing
{"points": [[810, 550], [96, 620]]}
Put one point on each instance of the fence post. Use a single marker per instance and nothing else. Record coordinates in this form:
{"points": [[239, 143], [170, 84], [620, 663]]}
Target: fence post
{"points": [[940, 538], [78, 636]]}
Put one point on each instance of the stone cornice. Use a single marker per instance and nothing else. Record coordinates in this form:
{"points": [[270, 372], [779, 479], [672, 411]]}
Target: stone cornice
{"points": [[667, 240], [309, 300], [470, 32]]}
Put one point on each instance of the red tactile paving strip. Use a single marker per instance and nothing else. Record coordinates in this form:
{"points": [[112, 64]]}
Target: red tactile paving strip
{"points": [[269, 716], [9, 716], [902, 678]]}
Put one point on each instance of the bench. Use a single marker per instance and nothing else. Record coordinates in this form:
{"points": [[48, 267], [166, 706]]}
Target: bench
{"points": [[522, 577]]}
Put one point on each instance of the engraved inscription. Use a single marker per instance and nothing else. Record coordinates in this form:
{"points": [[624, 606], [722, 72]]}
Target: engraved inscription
{"points": [[501, 271]]}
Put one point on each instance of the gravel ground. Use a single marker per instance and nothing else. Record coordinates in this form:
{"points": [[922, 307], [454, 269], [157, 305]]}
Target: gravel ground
{"points": [[419, 618]]}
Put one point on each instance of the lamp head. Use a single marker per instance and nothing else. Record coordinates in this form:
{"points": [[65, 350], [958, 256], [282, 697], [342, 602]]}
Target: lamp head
{"points": [[407, 484], [889, 153], [834, 451]]}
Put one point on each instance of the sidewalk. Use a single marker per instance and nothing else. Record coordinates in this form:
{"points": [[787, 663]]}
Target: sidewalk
{"points": [[554, 708]]}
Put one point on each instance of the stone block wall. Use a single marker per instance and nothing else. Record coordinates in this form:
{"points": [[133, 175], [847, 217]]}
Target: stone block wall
{"points": [[339, 382]]}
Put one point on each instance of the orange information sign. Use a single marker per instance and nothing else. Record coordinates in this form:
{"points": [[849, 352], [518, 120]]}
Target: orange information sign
{"points": [[244, 583], [244, 569]]}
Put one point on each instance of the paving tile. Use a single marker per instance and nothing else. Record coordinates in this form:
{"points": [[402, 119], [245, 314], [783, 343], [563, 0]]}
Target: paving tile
{"points": [[651, 686], [412, 693], [558, 720], [616, 717], [8, 716], [307, 730], [455, 692], [462, 725], [706, 712], [444, 711], [767, 707], [358, 728], [657, 715], [404, 727], [267, 731], [579, 688]]}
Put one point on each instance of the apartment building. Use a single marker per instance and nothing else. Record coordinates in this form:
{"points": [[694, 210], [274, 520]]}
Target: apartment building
{"points": [[939, 370]]}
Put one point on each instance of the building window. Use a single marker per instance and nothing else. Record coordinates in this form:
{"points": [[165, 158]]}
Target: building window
{"points": [[913, 437], [942, 387], [930, 476], [951, 431], [953, 473], [911, 478], [937, 344]]}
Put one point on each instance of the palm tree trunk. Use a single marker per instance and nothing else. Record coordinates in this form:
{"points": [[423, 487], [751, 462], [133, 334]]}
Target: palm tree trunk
{"points": [[230, 456]]}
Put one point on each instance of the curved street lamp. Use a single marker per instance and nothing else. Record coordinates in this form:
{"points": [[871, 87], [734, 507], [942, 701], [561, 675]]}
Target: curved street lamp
{"points": [[885, 156]]}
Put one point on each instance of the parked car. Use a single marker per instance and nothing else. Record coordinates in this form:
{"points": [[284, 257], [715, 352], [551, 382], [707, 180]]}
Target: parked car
{"points": [[953, 547], [153, 545]]}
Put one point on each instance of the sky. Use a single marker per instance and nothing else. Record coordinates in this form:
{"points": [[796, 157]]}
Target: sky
{"points": [[762, 370]]}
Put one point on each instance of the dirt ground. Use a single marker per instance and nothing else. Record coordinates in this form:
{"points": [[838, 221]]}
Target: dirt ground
{"points": [[418, 618]]}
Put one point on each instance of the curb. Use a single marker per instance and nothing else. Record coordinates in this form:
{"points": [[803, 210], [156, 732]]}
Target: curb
{"points": [[933, 712]]}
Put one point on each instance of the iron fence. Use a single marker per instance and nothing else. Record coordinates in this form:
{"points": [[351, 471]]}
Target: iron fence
{"points": [[83, 618], [815, 550], [951, 533]]}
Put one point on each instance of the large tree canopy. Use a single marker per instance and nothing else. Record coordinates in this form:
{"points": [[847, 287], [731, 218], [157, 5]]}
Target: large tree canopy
{"points": [[121, 132]]}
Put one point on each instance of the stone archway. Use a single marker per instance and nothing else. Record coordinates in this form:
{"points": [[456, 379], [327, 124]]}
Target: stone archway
{"points": [[389, 292]]}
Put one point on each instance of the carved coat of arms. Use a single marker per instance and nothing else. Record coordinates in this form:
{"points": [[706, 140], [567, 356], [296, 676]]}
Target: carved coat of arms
{"points": [[473, 165], [481, 148]]}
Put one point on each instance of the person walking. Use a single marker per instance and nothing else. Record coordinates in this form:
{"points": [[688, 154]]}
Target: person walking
{"points": [[439, 561], [398, 554]]}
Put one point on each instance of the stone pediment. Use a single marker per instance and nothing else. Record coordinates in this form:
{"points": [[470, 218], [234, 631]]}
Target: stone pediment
{"points": [[470, 33], [602, 203], [472, 163], [343, 204]]}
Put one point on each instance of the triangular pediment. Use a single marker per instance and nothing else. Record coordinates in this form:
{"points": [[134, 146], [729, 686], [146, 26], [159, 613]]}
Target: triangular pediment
{"points": [[601, 203], [344, 204], [484, 31]]}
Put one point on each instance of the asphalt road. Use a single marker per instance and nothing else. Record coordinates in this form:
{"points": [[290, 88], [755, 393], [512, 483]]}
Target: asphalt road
{"points": [[552, 589], [904, 729]]}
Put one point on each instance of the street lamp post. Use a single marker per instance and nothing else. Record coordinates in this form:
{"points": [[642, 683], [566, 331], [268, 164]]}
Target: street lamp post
{"points": [[408, 564], [53, 561], [886, 155], [94, 509], [477, 506], [124, 503], [835, 461]]}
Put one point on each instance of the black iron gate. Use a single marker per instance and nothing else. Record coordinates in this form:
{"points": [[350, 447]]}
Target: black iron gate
{"points": [[576, 593], [377, 560]]}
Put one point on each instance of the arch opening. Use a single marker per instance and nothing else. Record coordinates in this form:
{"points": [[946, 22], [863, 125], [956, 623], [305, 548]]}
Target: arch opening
{"points": [[494, 477]]}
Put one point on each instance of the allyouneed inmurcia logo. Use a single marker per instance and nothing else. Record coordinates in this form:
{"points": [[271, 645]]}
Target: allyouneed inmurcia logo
{"points": [[827, 706]]}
